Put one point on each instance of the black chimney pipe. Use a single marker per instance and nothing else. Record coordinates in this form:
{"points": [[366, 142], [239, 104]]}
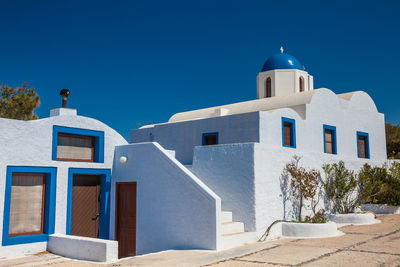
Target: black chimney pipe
{"points": [[64, 93]]}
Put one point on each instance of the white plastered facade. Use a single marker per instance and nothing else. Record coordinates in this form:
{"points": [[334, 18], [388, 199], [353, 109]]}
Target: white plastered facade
{"points": [[182, 185], [29, 144], [246, 166]]}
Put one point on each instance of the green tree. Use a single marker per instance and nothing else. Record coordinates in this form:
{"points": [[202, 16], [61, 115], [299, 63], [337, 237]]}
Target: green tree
{"points": [[18, 103], [393, 141]]}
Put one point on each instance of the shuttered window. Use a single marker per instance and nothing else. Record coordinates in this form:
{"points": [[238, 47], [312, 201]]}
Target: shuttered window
{"points": [[362, 145], [329, 141], [27, 203], [288, 133], [73, 147], [210, 139], [301, 84], [268, 87], [329, 135]]}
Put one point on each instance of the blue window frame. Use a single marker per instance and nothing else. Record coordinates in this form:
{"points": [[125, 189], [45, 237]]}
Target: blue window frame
{"points": [[330, 144], [288, 132], [363, 145], [105, 185], [49, 205], [210, 139], [98, 140]]}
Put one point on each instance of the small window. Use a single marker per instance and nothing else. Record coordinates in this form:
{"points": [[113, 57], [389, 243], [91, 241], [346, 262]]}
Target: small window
{"points": [[330, 139], [268, 89], [301, 84], [73, 147], [27, 204], [75, 144], [210, 139], [288, 133], [363, 145]]}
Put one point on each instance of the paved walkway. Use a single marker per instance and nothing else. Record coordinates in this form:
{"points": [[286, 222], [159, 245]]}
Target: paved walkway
{"points": [[372, 245]]}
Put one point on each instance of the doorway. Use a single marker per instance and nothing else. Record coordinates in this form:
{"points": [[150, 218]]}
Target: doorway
{"points": [[125, 224], [85, 212]]}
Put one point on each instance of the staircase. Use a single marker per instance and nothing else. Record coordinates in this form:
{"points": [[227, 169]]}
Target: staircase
{"points": [[233, 233]]}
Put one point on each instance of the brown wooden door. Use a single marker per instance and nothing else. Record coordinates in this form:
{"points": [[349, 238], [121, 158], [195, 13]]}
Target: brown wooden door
{"points": [[126, 219], [85, 215]]}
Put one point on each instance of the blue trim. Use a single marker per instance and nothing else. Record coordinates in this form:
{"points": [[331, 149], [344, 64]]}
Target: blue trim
{"points": [[105, 185], [334, 143], [292, 133], [209, 134], [49, 209], [366, 135], [98, 140]]}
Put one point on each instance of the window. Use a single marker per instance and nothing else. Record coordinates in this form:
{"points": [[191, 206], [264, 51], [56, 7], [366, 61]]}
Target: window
{"points": [[329, 139], [301, 84], [268, 89], [74, 144], [29, 204], [363, 145], [73, 147], [210, 139], [288, 133]]}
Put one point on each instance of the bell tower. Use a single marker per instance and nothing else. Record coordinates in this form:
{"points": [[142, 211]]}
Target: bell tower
{"points": [[282, 74]]}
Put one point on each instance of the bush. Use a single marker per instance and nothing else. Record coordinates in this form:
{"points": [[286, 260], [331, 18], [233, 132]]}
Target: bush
{"points": [[305, 185], [373, 183], [341, 187], [391, 181]]}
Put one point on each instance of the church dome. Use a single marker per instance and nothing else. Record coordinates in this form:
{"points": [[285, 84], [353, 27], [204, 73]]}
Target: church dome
{"points": [[281, 61]]}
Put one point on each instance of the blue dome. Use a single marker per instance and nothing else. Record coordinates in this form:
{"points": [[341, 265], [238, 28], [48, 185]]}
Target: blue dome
{"points": [[281, 61]]}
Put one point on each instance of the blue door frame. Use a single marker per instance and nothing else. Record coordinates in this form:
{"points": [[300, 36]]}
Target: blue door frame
{"points": [[105, 185]]}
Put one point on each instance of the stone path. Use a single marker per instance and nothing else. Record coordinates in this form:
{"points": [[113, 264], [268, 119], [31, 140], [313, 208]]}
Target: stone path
{"points": [[372, 245]]}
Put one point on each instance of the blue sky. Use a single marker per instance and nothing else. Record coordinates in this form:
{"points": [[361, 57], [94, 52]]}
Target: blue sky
{"points": [[133, 62]]}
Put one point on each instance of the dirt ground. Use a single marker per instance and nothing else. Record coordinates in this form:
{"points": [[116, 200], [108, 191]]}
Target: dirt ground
{"points": [[369, 245]]}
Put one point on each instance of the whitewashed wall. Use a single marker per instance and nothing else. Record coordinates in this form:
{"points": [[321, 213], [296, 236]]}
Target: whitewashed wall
{"points": [[348, 117], [248, 178], [283, 82], [230, 172], [184, 136], [29, 143], [357, 113], [175, 210]]}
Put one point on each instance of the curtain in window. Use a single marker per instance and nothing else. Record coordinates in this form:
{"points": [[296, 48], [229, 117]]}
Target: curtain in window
{"points": [[329, 141], [362, 151], [26, 207], [75, 147]]}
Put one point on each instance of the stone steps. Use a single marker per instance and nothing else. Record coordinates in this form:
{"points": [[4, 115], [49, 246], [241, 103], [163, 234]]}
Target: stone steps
{"points": [[233, 233]]}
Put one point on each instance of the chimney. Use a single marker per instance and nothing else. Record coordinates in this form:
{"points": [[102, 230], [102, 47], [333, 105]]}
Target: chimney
{"points": [[63, 111], [64, 93]]}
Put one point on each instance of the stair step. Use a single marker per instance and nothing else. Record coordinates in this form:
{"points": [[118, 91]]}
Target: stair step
{"points": [[232, 228], [226, 216], [238, 239]]}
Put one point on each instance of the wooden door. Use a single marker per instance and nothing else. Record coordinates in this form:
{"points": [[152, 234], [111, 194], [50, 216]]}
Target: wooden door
{"points": [[85, 215], [125, 227]]}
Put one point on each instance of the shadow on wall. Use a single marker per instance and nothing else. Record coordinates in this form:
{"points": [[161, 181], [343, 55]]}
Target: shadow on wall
{"points": [[290, 204]]}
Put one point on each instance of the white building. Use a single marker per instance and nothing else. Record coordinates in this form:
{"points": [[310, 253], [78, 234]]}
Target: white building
{"points": [[206, 179], [55, 176]]}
